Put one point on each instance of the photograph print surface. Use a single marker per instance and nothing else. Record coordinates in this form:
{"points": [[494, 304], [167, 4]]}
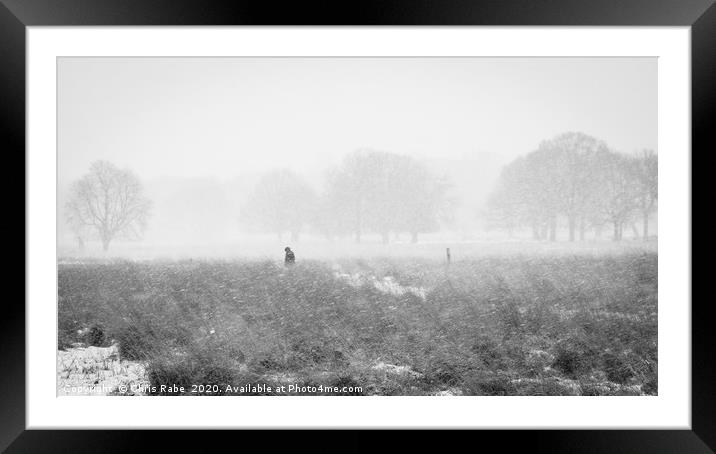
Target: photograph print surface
{"points": [[357, 226]]}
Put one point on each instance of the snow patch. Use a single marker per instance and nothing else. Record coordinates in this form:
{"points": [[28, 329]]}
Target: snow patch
{"points": [[98, 371], [449, 392], [392, 369], [387, 285]]}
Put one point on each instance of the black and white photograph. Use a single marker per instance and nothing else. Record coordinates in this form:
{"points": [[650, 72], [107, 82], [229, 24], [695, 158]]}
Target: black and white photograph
{"points": [[357, 226]]}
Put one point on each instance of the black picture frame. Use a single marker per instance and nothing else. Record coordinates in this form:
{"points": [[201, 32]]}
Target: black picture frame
{"points": [[16, 15]]}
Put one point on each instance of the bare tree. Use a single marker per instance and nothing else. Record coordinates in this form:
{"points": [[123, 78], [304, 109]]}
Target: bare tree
{"points": [[543, 191], [382, 192], [350, 191], [646, 175], [508, 206], [577, 177], [280, 202], [80, 231], [618, 191], [574, 157], [109, 202]]}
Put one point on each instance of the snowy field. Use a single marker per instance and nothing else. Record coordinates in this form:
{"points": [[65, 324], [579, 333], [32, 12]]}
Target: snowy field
{"points": [[539, 319]]}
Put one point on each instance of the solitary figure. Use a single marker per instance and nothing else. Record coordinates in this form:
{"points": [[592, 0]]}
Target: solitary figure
{"points": [[290, 258]]}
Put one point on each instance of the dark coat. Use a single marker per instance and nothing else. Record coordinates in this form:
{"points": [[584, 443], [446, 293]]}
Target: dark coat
{"points": [[290, 258]]}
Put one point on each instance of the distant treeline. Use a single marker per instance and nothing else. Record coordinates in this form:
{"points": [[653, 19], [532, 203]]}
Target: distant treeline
{"points": [[578, 179], [370, 192], [573, 179]]}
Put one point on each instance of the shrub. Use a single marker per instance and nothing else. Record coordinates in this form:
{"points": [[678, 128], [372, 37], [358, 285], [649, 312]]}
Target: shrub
{"points": [[95, 336]]}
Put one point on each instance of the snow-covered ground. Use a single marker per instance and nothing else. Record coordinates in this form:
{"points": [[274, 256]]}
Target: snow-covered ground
{"points": [[387, 285], [98, 371]]}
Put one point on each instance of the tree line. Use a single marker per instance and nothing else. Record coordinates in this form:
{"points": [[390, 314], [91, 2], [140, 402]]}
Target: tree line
{"points": [[369, 192], [578, 179], [572, 179]]}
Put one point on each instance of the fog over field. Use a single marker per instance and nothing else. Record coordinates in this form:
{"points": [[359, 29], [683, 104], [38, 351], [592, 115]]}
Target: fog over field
{"points": [[200, 134], [357, 226]]}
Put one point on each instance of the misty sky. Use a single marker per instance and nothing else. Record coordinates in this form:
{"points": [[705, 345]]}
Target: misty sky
{"points": [[222, 117]]}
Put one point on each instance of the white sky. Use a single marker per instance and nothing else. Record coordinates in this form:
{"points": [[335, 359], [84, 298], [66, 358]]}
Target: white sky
{"points": [[226, 116]]}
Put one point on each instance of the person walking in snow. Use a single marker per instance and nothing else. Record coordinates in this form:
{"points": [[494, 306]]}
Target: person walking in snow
{"points": [[290, 257]]}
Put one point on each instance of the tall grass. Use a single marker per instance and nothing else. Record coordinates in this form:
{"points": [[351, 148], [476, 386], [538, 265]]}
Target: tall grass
{"points": [[486, 326]]}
